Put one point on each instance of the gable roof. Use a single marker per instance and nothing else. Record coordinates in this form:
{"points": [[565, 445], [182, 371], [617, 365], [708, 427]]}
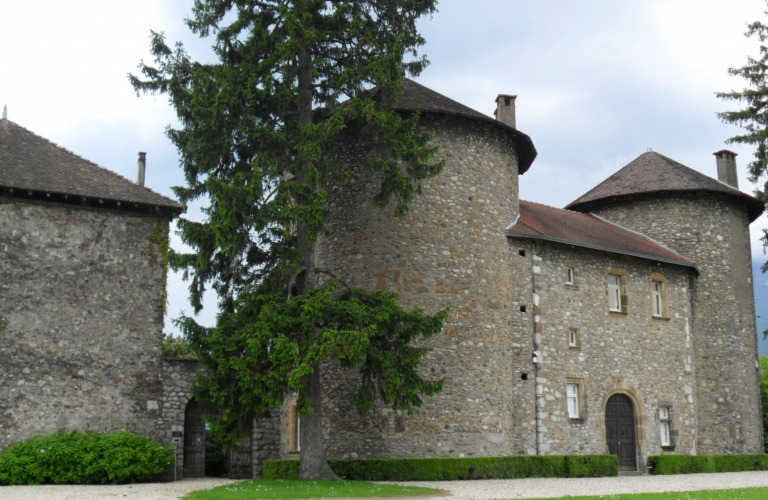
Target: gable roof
{"points": [[417, 97], [543, 222], [29, 162], [652, 172]]}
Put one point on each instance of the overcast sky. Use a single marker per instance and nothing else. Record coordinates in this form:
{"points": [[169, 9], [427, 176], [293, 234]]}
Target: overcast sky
{"points": [[599, 83]]}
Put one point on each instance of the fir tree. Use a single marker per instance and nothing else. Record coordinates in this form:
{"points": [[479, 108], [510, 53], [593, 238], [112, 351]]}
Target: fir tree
{"points": [[753, 117], [260, 129]]}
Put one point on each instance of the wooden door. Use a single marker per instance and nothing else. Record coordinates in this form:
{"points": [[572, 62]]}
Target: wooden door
{"points": [[194, 440], [620, 431]]}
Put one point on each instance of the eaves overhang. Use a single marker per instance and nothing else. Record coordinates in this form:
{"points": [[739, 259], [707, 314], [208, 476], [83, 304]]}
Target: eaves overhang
{"points": [[542, 237]]}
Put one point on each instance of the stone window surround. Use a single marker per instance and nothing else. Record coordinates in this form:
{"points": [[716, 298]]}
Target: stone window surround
{"points": [[659, 278], [580, 382], [574, 285], [669, 420], [294, 429], [568, 338], [622, 274]]}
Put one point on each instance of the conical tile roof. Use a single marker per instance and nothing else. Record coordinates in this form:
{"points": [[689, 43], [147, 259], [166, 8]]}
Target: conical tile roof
{"points": [[652, 172], [417, 97]]}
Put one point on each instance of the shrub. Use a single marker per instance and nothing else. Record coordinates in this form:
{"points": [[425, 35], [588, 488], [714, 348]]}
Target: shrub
{"points": [[77, 458], [437, 469], [691, 464], [177, 347], [591, 465]]}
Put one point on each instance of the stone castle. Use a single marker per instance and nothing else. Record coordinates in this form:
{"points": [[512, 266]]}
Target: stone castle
{"points": [[622, 324]]}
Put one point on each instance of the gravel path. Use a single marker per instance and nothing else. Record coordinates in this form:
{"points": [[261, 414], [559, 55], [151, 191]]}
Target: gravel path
{"points": [[150, 491], [460, 490], [553, 488]]}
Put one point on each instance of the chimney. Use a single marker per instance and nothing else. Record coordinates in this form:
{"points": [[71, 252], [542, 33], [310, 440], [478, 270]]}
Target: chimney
{"points": [[505, 109], [142, 169], [726, 167], [5, 111]]}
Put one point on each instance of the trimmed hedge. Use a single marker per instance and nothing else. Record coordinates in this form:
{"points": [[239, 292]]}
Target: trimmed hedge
{"points": [[691, 464], [76, 458], [448, 469]]}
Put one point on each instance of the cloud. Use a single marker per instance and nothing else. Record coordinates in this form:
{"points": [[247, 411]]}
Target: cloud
{"points": [[598, 82]]}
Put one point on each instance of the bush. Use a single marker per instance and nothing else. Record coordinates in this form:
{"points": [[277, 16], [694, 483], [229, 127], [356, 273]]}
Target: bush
{"points": [[177, 347], [447, 469], [76, 458], [691, 464]]}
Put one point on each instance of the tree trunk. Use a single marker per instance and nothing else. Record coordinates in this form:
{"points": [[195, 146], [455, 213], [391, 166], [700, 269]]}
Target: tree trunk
{"points": [[313, 464]]}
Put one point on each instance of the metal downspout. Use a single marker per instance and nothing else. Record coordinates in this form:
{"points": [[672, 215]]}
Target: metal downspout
{"points": [[535, 355]]}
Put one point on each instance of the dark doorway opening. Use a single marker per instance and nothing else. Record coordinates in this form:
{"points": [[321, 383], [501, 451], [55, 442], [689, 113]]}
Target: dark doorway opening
{"points": [[620, 431], [203, 452]]}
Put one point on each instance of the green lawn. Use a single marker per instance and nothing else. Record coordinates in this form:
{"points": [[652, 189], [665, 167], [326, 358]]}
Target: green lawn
{"points": [[740, 494], [295, 488]]}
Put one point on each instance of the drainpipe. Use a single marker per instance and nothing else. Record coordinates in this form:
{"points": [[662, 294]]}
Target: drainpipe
{"points": [[536, 355]]}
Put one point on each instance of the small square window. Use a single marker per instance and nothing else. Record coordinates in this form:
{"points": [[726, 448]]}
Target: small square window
{"points": [[521, 253], [522, 309], [569, 276]]}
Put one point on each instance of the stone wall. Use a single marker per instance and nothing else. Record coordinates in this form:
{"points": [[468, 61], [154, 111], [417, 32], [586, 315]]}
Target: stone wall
{"points": [[178, 375], [81, 299], [646, 358], [713, 230], [450, 251], [266, 442]]}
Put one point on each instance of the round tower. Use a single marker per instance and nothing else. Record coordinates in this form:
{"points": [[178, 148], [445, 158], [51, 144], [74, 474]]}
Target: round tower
{"points": [[706, 220], [451, 250]]}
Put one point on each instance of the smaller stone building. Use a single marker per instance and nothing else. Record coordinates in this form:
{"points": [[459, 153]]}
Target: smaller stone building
{"points": [[82, 279], [82, 298]]}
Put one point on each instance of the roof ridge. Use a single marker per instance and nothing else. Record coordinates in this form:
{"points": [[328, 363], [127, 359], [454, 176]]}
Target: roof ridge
{"points": [[105, 169], [574, 212], [696, 172], [642, 235]]}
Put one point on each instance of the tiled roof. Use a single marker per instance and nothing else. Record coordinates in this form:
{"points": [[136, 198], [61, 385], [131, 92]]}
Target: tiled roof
{"points": [[652, 173], [416, 97], [543, 222], [30, 162]]}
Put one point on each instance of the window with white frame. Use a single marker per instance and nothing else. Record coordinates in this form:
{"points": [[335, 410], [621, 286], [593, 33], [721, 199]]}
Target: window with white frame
{"points": [[569, 276], [574, 342], [664, 422], [614, 292], [295, 429], [658, 298], [573, 396]]}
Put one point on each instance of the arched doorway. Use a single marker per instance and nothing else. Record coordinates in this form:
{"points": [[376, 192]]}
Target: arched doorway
{"points": [[194, 440], [203, 453], [620, 430]]}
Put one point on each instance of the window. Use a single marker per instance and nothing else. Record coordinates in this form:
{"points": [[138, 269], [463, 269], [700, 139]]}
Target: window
{"points": [[295, 425], [574, 399], [574, 339], [614, 292], [569, 276], [664, 431], [658, 304], [659, 307]]}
